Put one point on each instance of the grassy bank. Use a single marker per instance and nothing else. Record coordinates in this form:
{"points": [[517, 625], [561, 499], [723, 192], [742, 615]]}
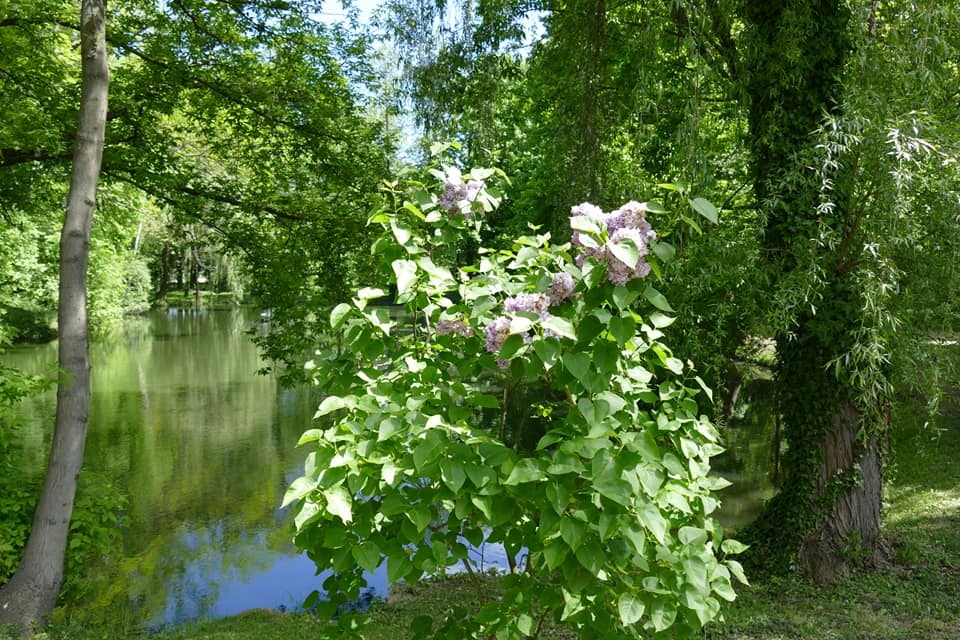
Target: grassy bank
{"points": [[916, 597]]}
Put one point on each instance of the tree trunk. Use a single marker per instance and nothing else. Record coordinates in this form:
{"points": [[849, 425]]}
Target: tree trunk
{"points": [[851, 531], [163, 287], [827, 514], [32, 592], [195, 277], [828, 510]]}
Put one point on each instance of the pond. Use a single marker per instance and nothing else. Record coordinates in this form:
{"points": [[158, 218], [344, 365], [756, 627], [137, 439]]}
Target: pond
{"points": [[205, 448]]}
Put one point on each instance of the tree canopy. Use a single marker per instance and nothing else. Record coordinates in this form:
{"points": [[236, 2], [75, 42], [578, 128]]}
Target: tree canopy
{"points": [[245, 118]]}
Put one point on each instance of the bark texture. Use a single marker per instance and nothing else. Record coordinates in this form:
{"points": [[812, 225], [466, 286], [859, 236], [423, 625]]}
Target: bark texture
{"points": [[31, 594], [851, 531]]}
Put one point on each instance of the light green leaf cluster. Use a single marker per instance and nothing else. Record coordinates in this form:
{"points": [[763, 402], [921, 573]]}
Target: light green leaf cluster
{"points": [[578, 445]]}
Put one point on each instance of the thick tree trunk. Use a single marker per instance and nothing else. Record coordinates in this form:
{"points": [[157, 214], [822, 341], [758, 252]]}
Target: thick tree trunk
{"points": [[828, 510], [827, 514], [850, 533], [32, 592]]}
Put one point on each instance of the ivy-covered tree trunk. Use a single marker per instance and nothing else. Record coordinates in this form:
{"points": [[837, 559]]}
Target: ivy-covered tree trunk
{"points": [[828, 509], [32, 592]]}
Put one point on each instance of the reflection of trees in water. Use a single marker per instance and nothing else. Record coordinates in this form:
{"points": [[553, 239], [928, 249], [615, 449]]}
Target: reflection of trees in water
{"points": [[750, 432], [219, 458], [177, 576], [194, 455], [180, 422], [749, 437]]}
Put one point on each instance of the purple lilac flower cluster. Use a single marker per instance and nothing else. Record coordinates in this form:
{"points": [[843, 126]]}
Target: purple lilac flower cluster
{"points": [[497, 333], [561, 288], [452, 194], [456, 194], [459, 327], [498, 330], [627, 222], [537, 303]]}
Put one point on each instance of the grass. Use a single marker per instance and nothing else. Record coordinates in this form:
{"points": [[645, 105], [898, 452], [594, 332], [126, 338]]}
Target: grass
{"points": [[914, 598]]}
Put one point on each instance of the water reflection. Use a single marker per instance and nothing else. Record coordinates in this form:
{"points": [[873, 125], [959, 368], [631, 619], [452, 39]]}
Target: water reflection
{"points": [[748, 462], [205, 450]]}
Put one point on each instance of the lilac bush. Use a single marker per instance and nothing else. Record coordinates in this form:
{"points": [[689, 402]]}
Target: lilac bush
{"points": [[605, 514]]}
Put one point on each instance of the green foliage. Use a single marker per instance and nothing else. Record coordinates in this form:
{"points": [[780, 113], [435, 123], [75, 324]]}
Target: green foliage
{"points": [[137, 286], [486, 406], [94, 526], [95, 530], [243, 122], [14, 387], [853, 549], [17, 503], [28, 260], [855, 173], [26, 325], [119, 284], [609, 97]]}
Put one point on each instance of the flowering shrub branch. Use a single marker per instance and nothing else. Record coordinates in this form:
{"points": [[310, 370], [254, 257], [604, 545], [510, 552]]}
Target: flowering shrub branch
{"points": [[533, 405]]}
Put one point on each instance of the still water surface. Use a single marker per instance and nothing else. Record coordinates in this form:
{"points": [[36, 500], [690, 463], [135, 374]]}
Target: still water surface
{"points": [[204, 448]]}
